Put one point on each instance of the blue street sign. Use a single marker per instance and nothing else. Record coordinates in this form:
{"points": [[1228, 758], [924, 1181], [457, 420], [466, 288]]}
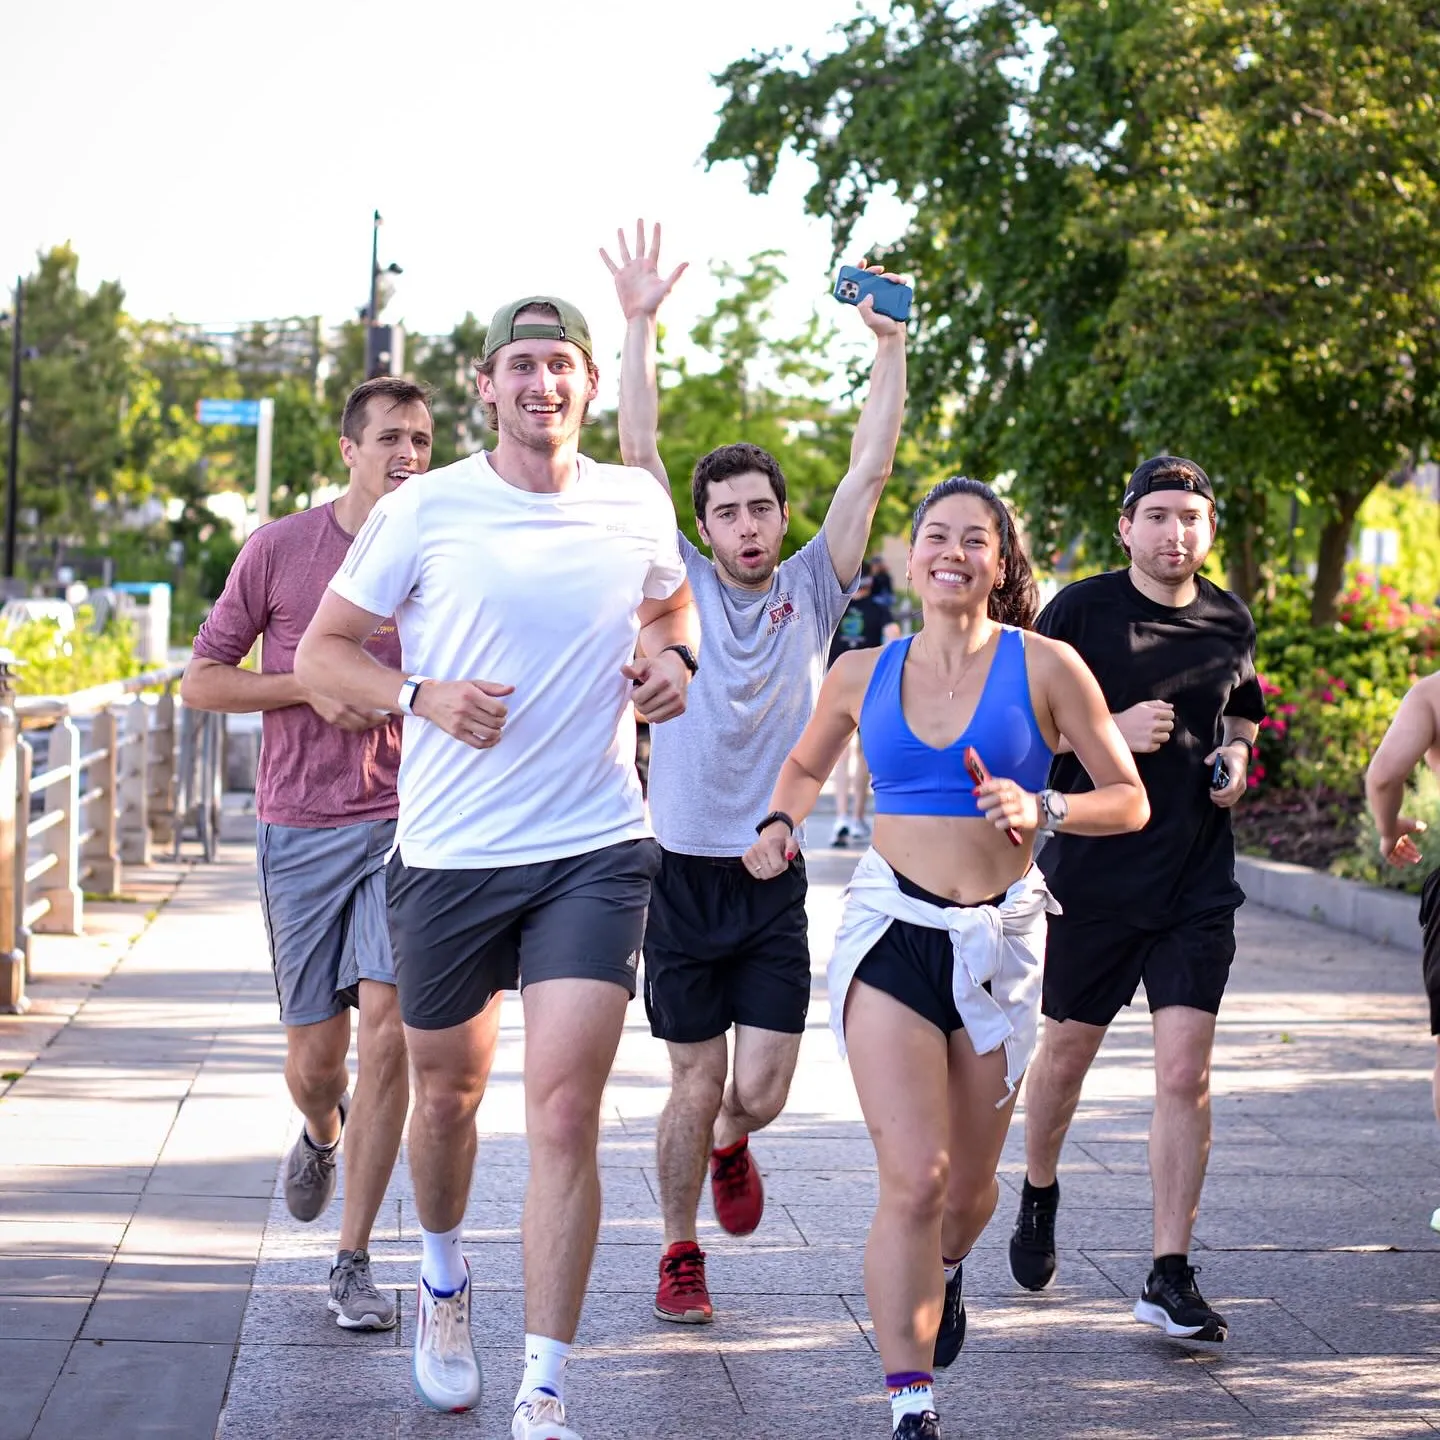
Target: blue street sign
{"points": [[228, 412]]}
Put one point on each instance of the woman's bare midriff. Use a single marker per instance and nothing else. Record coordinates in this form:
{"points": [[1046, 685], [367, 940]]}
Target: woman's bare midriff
{"points": [[964, 859]]}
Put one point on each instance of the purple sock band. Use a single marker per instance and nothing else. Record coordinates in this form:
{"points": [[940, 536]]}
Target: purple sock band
{"points": [[908, 1377]]}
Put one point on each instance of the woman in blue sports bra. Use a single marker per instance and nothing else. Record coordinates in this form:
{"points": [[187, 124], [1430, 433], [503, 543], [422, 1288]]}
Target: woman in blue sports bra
{"points": [[935, 976]]}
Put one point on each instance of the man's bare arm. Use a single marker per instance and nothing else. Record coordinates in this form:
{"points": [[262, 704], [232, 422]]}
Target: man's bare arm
{"points": [[639, 416], [872, 451], [1412, 733], [332, 659], [213, 685], [660, 677], [641, 290]]}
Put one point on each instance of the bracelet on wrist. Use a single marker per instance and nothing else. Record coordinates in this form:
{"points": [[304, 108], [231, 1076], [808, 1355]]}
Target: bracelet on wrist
{"points": [[771, 818]]}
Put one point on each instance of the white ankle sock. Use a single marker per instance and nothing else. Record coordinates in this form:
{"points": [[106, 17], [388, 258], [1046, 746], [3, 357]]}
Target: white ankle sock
{"points": [[442, 1262], [544, 1368], [912, 1400]]}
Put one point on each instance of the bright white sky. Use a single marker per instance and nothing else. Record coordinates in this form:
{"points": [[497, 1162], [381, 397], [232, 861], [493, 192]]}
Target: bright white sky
{"points": [[223, 162]]}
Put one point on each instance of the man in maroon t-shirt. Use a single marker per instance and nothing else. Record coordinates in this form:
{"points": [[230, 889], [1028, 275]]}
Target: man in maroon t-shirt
{"points": [[326, 804]]}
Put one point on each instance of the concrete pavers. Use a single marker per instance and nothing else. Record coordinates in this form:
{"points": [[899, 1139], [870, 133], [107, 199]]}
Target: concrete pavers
{"points": [[144, 1257], [137, 1160]]}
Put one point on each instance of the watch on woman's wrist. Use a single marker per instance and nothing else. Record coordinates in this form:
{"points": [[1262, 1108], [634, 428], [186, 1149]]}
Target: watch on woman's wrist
{"points": [[1054, 808]]}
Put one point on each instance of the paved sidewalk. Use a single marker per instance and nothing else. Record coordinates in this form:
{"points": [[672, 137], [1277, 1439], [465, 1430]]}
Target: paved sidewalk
{"points": [[138, 1152], [137, 1157]]}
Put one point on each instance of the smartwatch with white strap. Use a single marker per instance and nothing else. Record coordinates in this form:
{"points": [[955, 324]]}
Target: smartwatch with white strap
{"points": [[408, 691]]}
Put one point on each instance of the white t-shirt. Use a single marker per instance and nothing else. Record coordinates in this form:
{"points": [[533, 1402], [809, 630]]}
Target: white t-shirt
{"points": [[539, 591]]}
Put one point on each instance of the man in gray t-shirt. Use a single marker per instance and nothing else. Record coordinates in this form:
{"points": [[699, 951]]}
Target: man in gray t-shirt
{"points": [[723, 948]]}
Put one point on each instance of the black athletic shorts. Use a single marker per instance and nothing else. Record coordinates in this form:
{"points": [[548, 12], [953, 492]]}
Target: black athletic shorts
{"points": [[1430, 927], [723, 948], [1094, 964], [460, 936], [915, 964]]}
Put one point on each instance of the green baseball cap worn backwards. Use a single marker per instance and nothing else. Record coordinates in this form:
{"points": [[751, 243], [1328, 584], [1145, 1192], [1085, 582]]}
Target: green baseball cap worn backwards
{"points": [[569, 326]]}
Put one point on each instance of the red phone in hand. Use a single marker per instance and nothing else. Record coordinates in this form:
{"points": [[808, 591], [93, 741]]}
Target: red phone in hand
{"points": [[979, 774]]}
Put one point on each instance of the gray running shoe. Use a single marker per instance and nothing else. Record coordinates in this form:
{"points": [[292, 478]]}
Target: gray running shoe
{"points": [[354, 1300], [310, 1173]]}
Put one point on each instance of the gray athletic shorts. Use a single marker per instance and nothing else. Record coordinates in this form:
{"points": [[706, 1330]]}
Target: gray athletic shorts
{"points": [[323, 896], [461, 936]]}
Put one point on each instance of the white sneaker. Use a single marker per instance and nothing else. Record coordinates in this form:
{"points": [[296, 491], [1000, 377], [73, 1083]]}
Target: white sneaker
{"points": [[840, 833], [447, 1374], [860, 830], [541, 1417]]}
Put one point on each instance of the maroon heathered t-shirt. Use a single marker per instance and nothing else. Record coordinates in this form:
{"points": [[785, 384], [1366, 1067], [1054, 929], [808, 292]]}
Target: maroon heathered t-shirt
{"points": [[312, 774]]}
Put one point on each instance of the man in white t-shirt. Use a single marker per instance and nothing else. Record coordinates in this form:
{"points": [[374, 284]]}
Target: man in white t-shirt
{"points": [[524, 584]]}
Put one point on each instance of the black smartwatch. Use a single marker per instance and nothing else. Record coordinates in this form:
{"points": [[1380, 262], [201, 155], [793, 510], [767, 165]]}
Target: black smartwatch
{"points": [[772, 817], [687, 655], [1241, 740]]}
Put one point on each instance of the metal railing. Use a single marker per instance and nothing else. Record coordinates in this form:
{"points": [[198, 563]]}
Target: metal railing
{"points": [[90, 783]]}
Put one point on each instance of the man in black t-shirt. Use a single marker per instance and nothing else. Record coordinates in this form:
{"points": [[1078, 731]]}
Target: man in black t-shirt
{"points": [[1175, 657], [865, 625]]}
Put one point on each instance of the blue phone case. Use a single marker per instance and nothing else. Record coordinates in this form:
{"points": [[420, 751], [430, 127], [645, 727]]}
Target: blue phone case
{"points": [[892, 298]]}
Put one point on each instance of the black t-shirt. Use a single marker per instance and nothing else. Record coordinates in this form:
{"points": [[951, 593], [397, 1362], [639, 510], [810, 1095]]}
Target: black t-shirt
{"points": [[1201, 658], [862, 627]]}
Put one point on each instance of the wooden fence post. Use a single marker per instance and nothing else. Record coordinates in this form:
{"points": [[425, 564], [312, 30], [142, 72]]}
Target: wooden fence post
{"points": [[12, 961]]}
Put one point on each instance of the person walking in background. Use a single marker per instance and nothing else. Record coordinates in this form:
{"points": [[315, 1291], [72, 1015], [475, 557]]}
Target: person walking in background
{"points": [[865, 624], [882, 587]]}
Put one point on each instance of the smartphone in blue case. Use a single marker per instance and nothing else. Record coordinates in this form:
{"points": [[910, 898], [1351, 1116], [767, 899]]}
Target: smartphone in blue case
{"points": [[892, 298]]}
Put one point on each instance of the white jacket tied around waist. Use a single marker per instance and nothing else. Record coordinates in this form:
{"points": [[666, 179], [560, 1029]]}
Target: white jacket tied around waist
{"points": [[1003, 944]]}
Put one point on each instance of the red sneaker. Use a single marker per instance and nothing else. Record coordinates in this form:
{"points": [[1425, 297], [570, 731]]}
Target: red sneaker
{"points": [[682, 1296], [736, 1189]]}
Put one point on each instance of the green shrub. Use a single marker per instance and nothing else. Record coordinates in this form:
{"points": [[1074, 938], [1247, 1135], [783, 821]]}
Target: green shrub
{"points": [[1331, 693], [56, 663]]}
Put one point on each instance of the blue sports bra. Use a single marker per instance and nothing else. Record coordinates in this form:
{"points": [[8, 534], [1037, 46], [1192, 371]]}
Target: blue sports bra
{"points": [[913, 778]]}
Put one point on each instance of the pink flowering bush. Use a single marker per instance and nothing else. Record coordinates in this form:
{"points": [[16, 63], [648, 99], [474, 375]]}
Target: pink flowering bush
{"points": [[1331, 693]]}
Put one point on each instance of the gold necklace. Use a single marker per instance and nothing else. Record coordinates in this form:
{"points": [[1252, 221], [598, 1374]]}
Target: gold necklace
{"points": [[969, 660]]}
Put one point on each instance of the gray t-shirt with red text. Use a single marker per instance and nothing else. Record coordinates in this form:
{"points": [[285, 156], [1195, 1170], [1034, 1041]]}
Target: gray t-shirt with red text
{"points": [[762, 660], [312, 774]]}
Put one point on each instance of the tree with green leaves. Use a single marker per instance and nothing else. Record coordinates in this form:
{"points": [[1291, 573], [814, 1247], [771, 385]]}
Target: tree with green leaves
{"points": [[446, 363], [75, 380], [1202, 227]]}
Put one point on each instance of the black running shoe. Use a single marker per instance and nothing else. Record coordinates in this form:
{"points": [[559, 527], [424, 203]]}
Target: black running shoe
{"points": [[925, 1426], [1032, 1243], [951, 1339], [1173, 1302]]}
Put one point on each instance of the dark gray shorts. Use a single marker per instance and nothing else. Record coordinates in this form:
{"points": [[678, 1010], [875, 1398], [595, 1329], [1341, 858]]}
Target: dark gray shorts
{"points": [[323, 896], [461, 936]]}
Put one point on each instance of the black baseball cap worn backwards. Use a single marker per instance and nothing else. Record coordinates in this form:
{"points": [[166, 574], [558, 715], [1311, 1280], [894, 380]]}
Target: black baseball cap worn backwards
{"points": [[569, 326], [1166, 472]]}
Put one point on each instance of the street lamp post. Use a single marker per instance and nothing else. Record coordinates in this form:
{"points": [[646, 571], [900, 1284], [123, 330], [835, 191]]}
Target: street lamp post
{"points": [[379, 340], [12, 469]]}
